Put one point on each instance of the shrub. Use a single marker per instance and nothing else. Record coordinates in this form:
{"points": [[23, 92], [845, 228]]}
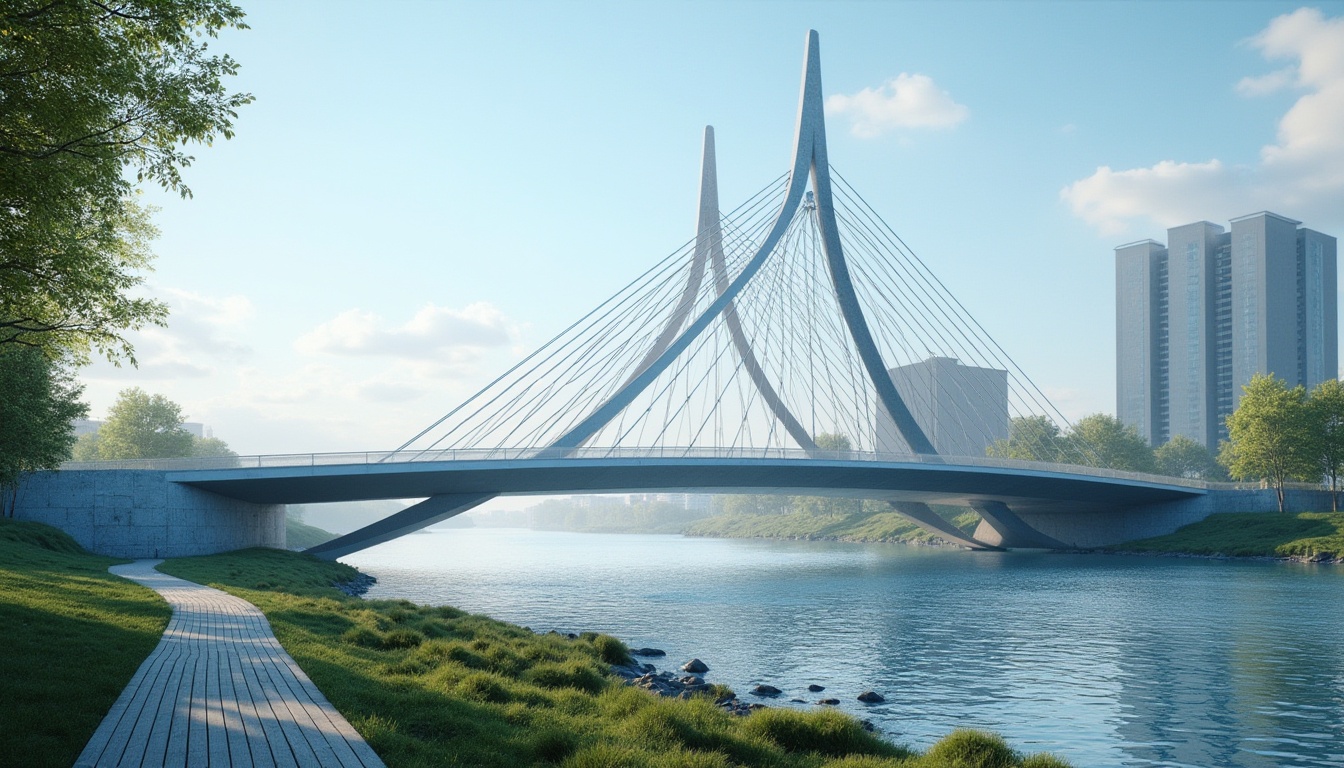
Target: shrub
{"points": [[483, 686], [1043, 760], [571, 674], [402, 638], [607, 756], [970, 749], [552, 745], [363, 637], [609, 649], [827, 732]]}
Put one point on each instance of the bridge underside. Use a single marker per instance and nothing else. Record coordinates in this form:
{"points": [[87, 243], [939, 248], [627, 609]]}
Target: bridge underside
{"points": [[1002, 496]]}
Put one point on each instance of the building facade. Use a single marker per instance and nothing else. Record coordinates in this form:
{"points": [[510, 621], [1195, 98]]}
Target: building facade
{"points": [[1198, 317], [963, 409]]}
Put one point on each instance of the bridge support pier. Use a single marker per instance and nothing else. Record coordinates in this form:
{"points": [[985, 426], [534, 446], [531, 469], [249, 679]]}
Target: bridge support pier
{"points": [[999, 525], [920, 514], [413, 518]]}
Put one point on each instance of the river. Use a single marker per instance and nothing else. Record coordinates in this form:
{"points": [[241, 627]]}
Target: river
{"points": [[1104, 660]]}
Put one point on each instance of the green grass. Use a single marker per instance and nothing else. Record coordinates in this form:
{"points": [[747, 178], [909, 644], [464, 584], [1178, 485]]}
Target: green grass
{"points": [[1309, 535], [436, 686], [300, 535], [859, 526], [73, 637]]}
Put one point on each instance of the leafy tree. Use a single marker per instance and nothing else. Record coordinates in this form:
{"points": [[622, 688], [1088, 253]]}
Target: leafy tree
{"points": [[1101, 440], [143, 426], [1269, 435], [96, 97], [38, 401], [210, 447], [833, 441], [1325, 408], [1182, 457], [1030, 438], [86, 448]]}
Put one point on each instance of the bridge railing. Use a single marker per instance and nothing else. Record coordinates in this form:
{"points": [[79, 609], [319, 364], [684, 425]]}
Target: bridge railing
{"points": [[658, 453]]}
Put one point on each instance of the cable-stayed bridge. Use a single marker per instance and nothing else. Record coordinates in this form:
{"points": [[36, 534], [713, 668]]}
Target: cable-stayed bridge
{"points": [[794, 344]]}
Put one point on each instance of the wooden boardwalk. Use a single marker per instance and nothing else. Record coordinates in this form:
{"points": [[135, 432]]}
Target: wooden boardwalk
{"points": [[219, 691]]}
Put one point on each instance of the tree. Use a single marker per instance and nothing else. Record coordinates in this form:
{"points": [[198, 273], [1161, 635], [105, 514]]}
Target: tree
{"points": [[210, 447], [1269, 435], [1030, 438], [38, 401], [143, 426], [1182, 457], [91, 93], [1325, 408], [1101, 440]]}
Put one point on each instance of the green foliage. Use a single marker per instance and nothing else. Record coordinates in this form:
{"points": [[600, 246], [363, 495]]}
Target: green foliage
{"points": [[484, 693], [1253, 534], [1101, 440], [1269, 436], [74, 636], [1031, 438], [210, 447], [92, 91], [826, 732], [971, 749], [1325, 415], [143, 426], [1182, 457], [38, 400], [874, 522]]}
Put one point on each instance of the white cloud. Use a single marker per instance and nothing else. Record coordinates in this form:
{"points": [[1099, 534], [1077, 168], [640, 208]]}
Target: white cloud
{"points": [[202, 332], [1301, 174], [434, 332], [905, 101]]}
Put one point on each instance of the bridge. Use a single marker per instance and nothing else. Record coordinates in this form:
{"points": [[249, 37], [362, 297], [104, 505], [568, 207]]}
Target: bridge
{"points": [[794, 345]]}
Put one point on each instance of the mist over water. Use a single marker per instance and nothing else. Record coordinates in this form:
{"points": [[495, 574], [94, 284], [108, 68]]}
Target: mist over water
{"points": [[1104, 660]]}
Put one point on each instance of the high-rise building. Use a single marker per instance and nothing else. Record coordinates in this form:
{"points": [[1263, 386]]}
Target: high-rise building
{"points": [[1196, 319], [963, 409]]}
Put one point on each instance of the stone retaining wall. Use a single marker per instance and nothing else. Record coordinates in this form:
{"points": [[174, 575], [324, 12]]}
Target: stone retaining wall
{"points": [[139, 513]]}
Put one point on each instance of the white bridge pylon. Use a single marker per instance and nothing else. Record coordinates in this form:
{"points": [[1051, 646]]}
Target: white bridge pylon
{"points": [[774, 353]]}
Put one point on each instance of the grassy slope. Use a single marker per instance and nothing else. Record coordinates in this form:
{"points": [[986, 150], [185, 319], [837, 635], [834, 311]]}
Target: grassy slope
{"points": [[881, 526], [434, 686], [300, 535], [73, 637], [1248, 534]]}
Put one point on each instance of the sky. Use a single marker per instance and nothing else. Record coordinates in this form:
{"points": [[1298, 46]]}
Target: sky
{"points": [[424, 192]]}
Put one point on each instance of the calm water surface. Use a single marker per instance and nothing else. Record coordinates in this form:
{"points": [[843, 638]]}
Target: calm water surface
{"points": [[1104, 660]]}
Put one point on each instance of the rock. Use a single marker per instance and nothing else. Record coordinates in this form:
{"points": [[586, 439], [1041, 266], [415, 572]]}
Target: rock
{"points": [[766, 690], [695, 666], [868, 726], [650, 652], [816, 688], [871, 697], [828, 702], [796, 700], [692, 680], [572, 636]]}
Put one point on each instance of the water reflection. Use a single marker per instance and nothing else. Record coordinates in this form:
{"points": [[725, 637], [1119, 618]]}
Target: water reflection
{"points": [[1104, 660]]}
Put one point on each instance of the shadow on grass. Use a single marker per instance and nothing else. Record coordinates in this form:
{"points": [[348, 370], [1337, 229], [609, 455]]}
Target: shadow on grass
{"points": [[1252, 534]]}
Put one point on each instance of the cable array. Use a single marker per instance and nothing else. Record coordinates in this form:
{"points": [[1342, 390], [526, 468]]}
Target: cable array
{"points": [[778, 368]]}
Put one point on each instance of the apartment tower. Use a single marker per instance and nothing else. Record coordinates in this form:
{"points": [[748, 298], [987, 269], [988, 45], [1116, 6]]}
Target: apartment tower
{"points": [[1197, 318]]}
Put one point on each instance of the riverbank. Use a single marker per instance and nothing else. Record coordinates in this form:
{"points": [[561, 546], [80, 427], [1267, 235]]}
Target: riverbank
{"points": [[876, 527], [1302, 536], [437, 686], [425, 686]]}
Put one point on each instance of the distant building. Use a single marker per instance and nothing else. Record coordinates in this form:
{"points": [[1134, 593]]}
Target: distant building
{"points": [[962, 409], [1197, 318], [694, 502]]}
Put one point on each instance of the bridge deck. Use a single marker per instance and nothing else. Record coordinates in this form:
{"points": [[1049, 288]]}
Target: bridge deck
{"points": [[219, 690]]}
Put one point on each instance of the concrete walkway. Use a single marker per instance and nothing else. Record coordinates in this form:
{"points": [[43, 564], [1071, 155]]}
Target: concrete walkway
{"points": [[219, 691]]}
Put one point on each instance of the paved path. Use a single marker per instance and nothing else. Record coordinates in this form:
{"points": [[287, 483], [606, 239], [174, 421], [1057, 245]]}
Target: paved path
{"points": [[219, 691]]}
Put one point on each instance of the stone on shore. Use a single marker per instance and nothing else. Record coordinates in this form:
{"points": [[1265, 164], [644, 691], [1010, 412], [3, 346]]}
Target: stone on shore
{"points": [[871, 697], [828, 702], [816, 688], [695, 667], [766, 690], [649, 652]]}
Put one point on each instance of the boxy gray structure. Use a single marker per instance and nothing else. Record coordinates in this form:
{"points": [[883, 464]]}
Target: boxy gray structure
{"points": [[1196, 319]]}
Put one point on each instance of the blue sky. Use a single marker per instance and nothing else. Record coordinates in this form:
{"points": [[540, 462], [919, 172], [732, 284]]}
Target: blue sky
{"points": [[424, 192]]}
